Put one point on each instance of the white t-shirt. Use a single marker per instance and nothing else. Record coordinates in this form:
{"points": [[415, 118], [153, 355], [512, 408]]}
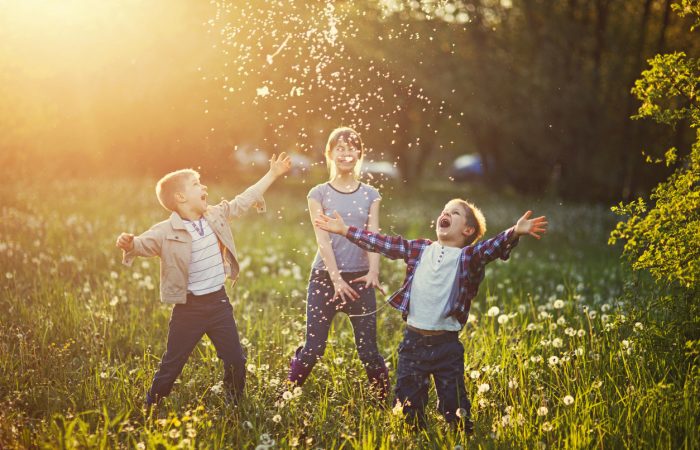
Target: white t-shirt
{"points": [[431, 288], [206, 271]]}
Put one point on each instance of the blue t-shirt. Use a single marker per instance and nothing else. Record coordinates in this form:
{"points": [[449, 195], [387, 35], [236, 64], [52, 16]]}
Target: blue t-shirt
{"points": [[354, 209]]}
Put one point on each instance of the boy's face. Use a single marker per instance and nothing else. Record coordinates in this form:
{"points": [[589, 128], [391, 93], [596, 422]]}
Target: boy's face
{"points": [[193, 195], [451, 226]]}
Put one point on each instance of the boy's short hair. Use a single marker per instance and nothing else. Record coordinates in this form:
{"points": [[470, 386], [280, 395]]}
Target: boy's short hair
{"points": [[475, 218], [170, 184]]}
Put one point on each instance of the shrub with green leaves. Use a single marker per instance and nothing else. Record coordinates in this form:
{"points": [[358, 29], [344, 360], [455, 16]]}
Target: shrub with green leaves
{"points": [[665, 238]]}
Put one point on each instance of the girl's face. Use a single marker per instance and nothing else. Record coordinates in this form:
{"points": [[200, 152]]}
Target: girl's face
{"points": [[345, 156]]}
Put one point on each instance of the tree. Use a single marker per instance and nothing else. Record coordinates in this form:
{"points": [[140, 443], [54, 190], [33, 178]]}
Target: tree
{"points": [[664, 238]]}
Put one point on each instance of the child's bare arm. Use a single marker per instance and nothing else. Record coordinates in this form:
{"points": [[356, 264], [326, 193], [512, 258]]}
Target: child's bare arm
{"points": [[340, 286]]}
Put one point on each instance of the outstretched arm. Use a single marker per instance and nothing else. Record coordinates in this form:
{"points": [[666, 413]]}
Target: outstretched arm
{"points": [[501, 245], [253, 196], [147, 244], [393, 247], [533, 227]]}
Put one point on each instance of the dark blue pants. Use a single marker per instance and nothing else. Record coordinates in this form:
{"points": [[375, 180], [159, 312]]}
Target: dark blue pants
{"points": [[321, 308], [209, 314], [441, 356]]}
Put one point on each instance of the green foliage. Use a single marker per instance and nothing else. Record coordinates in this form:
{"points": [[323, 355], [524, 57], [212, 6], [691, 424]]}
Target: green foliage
{"points": [[665, 238]]}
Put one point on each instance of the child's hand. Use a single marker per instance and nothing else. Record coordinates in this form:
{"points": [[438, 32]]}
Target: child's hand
{"points": [[280, 165], [125, 241], [529, 226], [343, 290], [333, 224], [370, 280]]}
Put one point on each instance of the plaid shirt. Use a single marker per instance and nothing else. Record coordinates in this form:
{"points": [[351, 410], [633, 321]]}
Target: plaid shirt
{"points": [[472, 264]]}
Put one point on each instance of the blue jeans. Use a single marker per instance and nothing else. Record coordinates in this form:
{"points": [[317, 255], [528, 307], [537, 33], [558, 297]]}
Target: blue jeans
{"points": [[209, 314], [321, 308], [441, 356]]}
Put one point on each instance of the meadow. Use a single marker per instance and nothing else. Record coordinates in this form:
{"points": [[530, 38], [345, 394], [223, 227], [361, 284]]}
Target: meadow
{"points": [[560, 352]]}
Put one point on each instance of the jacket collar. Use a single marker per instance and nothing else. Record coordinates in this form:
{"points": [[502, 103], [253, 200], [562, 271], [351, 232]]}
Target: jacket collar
{"points": [[176, 221]]}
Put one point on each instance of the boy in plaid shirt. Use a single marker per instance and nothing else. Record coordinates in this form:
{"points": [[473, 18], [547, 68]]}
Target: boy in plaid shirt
{"points": [[442, 278]]}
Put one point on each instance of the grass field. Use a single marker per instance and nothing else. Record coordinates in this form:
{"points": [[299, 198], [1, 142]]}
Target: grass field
{"points": [[558, 353]]}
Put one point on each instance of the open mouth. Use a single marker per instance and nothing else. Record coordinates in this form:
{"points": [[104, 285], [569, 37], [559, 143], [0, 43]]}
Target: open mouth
{"points": [[444, 222], [346, 159], [204, 197]]}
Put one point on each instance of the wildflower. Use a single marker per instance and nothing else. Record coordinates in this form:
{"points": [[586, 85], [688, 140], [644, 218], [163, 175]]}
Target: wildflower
{"points": [[542, 411], [493, 311], [568, 400], [483, 388]]}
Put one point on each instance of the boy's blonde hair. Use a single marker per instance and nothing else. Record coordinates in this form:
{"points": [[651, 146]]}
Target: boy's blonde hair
{"points": [[350, 137], [475, 218], [170, 184]]}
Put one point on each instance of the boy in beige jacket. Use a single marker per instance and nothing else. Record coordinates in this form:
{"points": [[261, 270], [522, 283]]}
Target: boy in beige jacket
{"points": [[197, 254]]}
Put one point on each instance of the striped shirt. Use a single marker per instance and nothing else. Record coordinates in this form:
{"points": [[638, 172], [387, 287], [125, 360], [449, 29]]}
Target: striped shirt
{"points": [[470, 272], [206, 271]]}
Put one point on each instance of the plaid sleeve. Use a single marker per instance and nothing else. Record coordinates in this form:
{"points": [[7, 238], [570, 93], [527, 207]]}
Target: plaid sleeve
{"points": [[490, 249], [393, 247]]}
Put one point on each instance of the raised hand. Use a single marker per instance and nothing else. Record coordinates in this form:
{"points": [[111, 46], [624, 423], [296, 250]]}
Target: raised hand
{"points": [[533, 227], [125, 241], [333, 224], [279, 165]]}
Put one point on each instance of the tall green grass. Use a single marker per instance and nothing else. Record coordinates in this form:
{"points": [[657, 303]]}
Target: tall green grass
{"points": [[558, 354]]}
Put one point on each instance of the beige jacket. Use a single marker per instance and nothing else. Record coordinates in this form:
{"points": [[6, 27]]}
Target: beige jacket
{"points": [[172, 242]]}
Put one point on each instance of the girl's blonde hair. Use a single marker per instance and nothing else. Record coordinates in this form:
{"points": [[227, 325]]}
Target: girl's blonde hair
{"points": [[350, 137]]}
